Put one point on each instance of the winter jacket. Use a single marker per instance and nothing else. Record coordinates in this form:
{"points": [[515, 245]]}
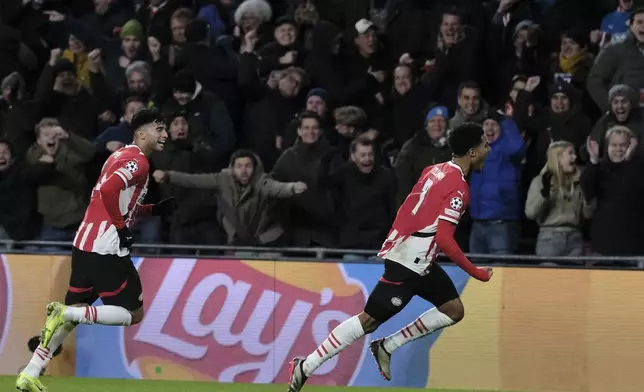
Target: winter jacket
{"points": [[245, 212], [495, 191]]}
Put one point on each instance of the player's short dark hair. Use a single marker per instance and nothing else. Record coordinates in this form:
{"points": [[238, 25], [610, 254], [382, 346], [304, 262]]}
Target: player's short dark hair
{"points": [[243, 154], [464, 137], [308, 114], [363, 141], [145, 117], [468, 84]]}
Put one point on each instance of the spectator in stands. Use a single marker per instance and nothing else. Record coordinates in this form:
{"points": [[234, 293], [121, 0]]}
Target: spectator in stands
{"points": [[244, 193], [207, 115], [18, 114], [269, 107], [63, 197], [138, 76], [108, 17], [327, 68], [255, 16], [285, 51], [60, 95], [574, 61], [211, 66], [614, 26], [310, 217], [317, 101], [623, 111], [621, 63], [427, 147], [19, 218], [556, 202], [350, 122], [409, 103], [562, 121], [195, 219], [454, 53], [495, 201], [616, 185], [118, 54], [365, 197], [118, 136], [471, 107], [76, 53]]}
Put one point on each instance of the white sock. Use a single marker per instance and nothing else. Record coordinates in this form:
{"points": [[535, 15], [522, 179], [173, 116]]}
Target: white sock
{"points": [[42, 356], [340, 338], [104, 315], [428, 322]]}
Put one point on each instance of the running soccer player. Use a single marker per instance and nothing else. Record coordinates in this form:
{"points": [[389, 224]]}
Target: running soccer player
{"points": [[425, 224], [101, 264]]}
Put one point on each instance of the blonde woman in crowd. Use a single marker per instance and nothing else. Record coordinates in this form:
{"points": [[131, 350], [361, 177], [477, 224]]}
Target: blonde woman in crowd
{"points": [[556, 202]]}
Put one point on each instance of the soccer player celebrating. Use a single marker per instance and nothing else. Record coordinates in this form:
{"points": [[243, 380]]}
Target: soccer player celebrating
{"points": [[101, 264], [425, 224]]}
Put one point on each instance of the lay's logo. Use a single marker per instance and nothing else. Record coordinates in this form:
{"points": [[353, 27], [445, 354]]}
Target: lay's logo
{"points": [[241, 321]]}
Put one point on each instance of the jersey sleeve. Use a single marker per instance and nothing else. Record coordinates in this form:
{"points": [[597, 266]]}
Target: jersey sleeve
{"points": [[454, 204], [132, 170]]}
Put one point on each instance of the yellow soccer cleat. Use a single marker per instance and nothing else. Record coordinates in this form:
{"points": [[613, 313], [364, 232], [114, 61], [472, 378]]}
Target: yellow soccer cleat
{"points": [[55, 320], [25, 383]]}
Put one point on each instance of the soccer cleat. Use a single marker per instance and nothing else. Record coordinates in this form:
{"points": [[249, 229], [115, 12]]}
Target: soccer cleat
{"points": [[382, 357], [298, 378], [55, 320], [25, 383]]}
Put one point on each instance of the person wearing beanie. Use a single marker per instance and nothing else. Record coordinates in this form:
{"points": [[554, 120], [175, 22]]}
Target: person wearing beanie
{"points": [[427, 147], [624, 111], [620, 63], [496, 205], [207, 115]]}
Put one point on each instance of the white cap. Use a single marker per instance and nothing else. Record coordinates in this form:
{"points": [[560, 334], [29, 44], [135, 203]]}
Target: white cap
{"points": [[363, 25]]}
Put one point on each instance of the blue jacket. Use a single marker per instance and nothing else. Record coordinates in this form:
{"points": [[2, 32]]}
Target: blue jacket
{"points": [[495, 191]]}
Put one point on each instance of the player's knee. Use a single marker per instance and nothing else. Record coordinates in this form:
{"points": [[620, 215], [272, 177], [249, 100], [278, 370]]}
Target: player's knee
{"points": [[137, 315], [453, 309], [369, 324]]}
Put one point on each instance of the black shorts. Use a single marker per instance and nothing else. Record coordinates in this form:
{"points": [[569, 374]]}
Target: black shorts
{"points": [[399, 285], [112, 278]]}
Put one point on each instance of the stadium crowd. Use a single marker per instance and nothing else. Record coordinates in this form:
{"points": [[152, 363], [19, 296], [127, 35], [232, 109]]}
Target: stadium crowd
{"points": [[306, 122]]}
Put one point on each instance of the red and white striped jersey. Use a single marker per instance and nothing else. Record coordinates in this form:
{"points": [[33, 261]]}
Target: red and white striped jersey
{"points": [[96, 233], [440, 193]]}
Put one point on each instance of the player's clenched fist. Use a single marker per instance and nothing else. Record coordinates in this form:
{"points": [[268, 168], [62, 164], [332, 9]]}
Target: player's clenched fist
{"points": [[160, 176], [485, 274]]}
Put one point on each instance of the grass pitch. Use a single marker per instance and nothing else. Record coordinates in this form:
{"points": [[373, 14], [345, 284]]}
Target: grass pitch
{"points": [[72, 384]]}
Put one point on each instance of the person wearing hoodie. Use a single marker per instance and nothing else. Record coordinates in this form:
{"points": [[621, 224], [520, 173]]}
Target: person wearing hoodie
{"points": [[471, 107], [17, 114], [620, 63], [615, 183], [310, 217], [245, 196], [623, 111], [427, 147], [495, 195]]}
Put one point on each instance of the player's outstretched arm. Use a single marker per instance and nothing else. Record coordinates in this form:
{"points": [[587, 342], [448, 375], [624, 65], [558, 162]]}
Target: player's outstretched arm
{"points": [[447, 244]]}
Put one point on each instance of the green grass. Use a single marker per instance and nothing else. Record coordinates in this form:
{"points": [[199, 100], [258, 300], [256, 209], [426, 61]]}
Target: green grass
{"points": [[70, 384]]}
